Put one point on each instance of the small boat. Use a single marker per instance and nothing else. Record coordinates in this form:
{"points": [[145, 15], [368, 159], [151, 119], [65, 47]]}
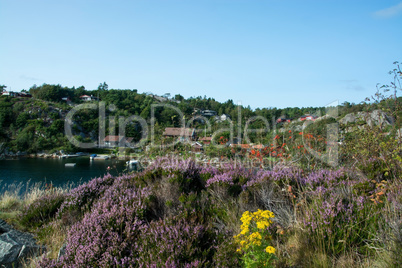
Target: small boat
{"points": [[65, 156], [133, 165], [70, 164], [100, 157]]}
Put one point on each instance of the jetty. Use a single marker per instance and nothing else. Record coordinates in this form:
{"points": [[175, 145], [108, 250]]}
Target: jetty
{"points": [[99, 157], [65, 156]]}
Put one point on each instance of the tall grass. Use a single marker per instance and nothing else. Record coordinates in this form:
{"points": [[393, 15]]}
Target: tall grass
{"points": [[18, 198], [16, 195], [323, 218]]}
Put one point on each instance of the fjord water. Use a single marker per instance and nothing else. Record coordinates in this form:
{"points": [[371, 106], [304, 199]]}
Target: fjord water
{"points": [[54, 171]]}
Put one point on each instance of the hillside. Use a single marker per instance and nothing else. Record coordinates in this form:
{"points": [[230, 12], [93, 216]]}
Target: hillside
{"points": [[33, 125]]}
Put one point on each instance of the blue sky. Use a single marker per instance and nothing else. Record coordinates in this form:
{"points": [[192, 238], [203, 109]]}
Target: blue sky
{"points": [[262, 53]]}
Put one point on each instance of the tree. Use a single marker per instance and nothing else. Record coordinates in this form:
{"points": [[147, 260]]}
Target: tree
{"points": [[25, 138], [2, 88], [178, 97], [103, 87]]}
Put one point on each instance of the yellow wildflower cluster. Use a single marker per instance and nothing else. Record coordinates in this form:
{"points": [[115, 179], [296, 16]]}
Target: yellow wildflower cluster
{"points": [[270, 250], [255, 239], [253, 225]]}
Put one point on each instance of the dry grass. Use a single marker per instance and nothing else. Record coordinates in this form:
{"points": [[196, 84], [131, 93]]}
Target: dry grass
{"points": [[10, 201], [54, 238], [15, 197]]}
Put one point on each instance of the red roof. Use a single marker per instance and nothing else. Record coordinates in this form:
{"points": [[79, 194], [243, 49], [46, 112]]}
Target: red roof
{"points": [[112, 138], [258, 146], [177, 132], [243, 146]]}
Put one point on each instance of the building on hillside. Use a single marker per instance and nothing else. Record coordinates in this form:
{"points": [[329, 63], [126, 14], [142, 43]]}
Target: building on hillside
{"points": [[283, 119], [242, 146], [159, 98], [197, 147], [222, 117], [206, 140], [258, 146], [112, 141], [88, 98], [208, 113], [182, 133], [9, 93], [67, 100], [308, 117], [16, 94], [24, 95]]}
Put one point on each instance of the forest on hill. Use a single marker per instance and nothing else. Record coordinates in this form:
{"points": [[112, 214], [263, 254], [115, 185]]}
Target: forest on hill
{"points": [[37, 124]]}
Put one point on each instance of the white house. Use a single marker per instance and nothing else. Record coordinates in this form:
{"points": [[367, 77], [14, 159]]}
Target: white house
{"points": [[88, 98]]}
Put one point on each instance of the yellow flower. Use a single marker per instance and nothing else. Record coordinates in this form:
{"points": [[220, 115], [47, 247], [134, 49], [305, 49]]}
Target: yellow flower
{"points": [[267, 214], [255, 236], [242, 242], [262, 224], [270, 250], [258, 243], [246, 217], [244, 231], [238, 250]]}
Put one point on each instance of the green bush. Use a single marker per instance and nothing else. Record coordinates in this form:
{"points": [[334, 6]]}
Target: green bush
{"points": [[42, 210]]}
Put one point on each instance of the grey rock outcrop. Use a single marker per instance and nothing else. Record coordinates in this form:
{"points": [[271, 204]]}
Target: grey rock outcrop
{"points": [[376, 117], [16, 246]]}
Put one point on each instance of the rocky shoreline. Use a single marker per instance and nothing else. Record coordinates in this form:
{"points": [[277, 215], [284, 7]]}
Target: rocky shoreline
{"points": [[16, 246], [25, 155]]}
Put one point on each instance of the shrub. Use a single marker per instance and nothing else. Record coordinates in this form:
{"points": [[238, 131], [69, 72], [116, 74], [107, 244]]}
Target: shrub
{"points": [[42, 210], [335, 216], [80, 199], [228, 180], [175, 242], [226, 255], [106, 235]]}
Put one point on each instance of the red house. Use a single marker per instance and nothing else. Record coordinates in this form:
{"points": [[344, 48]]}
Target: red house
{"points": [[308, 117], [206, 140]]}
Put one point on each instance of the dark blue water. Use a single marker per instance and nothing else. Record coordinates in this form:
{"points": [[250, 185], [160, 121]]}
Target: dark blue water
{"points": [[54, 170]]}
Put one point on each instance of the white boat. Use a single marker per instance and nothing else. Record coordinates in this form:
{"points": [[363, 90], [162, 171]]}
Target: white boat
{"points": [[64, 156], [70, 164], [133, 165], [100, 157]]}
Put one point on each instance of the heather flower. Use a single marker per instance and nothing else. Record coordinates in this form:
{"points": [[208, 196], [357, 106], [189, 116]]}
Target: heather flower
{"points": [[337, 209], [82, 197]]}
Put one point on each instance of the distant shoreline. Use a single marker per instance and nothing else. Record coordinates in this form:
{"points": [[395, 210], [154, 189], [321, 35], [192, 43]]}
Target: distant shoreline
{"points": [[49, 156]]}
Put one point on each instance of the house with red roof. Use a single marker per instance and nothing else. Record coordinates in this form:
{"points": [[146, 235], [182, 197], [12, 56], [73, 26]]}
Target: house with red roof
{"points": [[112, 141], [182, 133]]}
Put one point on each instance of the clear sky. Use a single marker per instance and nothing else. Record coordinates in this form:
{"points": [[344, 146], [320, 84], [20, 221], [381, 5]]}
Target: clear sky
{"points": [[263, 53]]}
